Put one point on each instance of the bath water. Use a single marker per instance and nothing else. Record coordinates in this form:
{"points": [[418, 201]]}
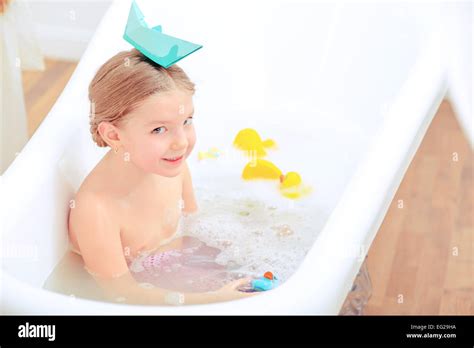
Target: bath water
{"points": [[241, 229]]}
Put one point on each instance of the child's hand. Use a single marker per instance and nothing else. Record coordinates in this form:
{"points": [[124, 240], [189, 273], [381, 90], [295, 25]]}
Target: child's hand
{"points": [[230, 291], [189, 209]]}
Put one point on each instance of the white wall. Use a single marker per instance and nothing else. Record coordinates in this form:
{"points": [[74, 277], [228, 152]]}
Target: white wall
{"points": [[458, 35], [64, 27]]}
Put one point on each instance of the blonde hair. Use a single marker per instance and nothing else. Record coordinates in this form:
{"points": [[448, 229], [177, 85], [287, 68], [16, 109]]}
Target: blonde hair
{"points": [[123, 82]]}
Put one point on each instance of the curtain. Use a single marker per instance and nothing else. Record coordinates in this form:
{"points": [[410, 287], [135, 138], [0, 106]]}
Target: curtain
{"points": [[19, 51]]}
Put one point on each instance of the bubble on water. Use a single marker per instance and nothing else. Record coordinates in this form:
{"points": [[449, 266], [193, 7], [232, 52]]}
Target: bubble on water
{"points": [[136, 265], [231, 264], [226, 243], [146, 285], [282, 230], [92, 273], [118, 275], [174, 298], [176, 266]]}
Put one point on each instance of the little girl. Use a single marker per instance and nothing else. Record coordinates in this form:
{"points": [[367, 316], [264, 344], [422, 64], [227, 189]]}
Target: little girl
{"points": [[132, 200]]}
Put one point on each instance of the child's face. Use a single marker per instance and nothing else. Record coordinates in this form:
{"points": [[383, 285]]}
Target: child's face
{"points": [[159, 134]]}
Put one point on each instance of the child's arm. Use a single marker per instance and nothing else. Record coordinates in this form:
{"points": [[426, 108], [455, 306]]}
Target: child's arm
{"points": [[190, 205], [100, 244], [131, 293], [98, 236]]}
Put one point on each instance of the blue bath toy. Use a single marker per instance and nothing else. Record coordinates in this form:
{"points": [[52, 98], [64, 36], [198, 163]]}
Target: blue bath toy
{"points": [[265, 283]]}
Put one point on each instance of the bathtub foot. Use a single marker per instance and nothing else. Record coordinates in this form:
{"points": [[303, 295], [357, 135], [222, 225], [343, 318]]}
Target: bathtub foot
{"points": [[359, 294]]}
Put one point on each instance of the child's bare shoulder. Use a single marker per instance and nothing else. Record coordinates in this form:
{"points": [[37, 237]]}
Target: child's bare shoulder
{"points": [[91, 206], [95, 189], [90, 199]]}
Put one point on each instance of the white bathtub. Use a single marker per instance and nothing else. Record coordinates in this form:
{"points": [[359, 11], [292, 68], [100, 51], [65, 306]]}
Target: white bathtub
{"points": [[354, 86]]}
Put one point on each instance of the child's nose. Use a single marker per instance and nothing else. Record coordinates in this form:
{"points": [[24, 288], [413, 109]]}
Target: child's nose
{"points": [[178, 146], [180, 141]]}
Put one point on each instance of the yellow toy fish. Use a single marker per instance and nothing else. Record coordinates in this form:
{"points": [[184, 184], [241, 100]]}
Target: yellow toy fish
{"points": [[213, 153], [249, 140], [291, 185]]}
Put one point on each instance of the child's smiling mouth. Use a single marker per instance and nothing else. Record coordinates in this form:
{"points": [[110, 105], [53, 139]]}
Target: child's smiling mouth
{"points": [[174, 160]]}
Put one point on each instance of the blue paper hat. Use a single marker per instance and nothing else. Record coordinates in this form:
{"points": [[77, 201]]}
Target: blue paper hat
{"points": [[163, 49]]}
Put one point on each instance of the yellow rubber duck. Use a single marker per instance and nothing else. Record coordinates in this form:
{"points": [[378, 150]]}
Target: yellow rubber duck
{"points": [[249, 140], [261, 169], [291, 185]]}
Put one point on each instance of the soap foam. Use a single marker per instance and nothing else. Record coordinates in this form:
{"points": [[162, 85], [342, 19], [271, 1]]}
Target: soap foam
{"points": [[254, 228]]}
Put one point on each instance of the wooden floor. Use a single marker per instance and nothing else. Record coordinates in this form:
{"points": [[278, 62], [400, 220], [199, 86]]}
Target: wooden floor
{"points": [[42, 88], [422, 259]]}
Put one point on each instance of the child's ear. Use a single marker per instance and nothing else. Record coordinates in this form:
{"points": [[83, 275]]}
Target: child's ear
{"points": [[109, 133]]}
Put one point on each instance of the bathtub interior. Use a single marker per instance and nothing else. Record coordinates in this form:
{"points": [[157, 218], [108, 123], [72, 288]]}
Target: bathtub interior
{"points": [[316, 77]]}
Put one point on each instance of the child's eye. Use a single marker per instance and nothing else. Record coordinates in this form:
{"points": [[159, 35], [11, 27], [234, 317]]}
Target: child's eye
{"points": [[159, 130], [188, 121]]}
